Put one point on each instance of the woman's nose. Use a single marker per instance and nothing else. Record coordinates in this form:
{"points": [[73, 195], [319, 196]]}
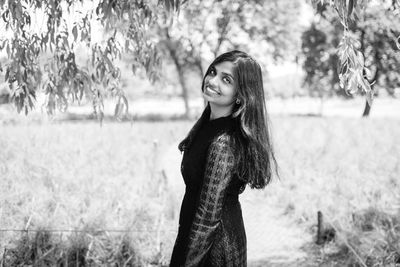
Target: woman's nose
{"points": [[213, 81]]}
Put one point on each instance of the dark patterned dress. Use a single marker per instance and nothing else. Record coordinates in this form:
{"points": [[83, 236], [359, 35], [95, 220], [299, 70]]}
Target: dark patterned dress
{"points": [[211, 231]]}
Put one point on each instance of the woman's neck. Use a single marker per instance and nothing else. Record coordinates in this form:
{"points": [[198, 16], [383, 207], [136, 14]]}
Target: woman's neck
{"points": [[218, 112]]}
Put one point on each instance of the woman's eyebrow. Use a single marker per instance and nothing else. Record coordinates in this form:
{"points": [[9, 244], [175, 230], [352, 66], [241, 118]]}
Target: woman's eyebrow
{"points": [[228, 74]]}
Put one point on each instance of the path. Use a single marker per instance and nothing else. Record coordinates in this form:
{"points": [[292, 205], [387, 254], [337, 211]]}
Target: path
{"points": [[272, 238]]}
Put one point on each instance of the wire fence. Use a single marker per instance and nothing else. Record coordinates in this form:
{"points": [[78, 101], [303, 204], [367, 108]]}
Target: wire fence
{"points": [[87, 231], [280, 241]]}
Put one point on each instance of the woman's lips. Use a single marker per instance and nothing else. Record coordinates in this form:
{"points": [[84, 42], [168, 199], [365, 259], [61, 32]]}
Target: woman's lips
{"points": [[212, 91]]}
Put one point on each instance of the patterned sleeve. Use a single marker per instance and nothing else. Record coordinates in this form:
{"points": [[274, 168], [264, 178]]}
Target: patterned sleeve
{"points": [[218, 173]]}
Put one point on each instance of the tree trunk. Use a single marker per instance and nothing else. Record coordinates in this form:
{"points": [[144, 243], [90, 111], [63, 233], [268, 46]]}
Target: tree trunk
{"points": [[321, 105], [181, 75], [185, 90], [367, 109], [377, 62], [201, 73]]}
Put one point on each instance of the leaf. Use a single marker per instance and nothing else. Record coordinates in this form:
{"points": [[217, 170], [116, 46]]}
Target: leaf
{"points": [[109, 63], [177, 5], [3, 44], [167, 5], [28, 18], [8, 50], [368, 74], [6, 15], [65, 42], [127, 45], [75, 33], [102, 72], [93, 56], [344, 68], [360, 58], [352, 83], [365, 84], [7, 73], [349, 7]]}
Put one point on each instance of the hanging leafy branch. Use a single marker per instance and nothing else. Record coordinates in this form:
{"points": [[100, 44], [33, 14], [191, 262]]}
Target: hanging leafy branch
{"points": [[353, 74], [61, 78]]}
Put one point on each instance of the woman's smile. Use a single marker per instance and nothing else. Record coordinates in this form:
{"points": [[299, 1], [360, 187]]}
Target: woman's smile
{"points": [[211, 90]]}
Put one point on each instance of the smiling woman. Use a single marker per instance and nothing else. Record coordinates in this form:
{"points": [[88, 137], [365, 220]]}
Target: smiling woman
{"points": [[227, 148], [220, 89]]}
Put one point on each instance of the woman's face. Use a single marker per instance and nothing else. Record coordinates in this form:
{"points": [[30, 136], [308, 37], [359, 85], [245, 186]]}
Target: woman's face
{"points": [[219, 85]]}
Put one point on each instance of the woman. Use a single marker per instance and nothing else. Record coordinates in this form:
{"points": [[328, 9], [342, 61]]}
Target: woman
{"points": [[227, 148]]}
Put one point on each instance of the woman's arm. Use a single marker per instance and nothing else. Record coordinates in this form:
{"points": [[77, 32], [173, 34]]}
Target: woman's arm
{"points": [[218, 173]]}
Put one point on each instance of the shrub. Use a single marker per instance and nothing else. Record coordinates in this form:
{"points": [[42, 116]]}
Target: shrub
{"points": [[373, 240]]}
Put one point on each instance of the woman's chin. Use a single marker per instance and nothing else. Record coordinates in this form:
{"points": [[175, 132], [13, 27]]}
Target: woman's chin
{"points": [[207, 97]]}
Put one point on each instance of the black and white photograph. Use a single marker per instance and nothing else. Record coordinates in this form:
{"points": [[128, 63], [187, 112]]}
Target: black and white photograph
{"points": [[200, 133]]}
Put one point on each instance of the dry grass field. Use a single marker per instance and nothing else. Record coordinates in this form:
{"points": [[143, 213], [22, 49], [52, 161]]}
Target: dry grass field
{"points": [[102, 180]]}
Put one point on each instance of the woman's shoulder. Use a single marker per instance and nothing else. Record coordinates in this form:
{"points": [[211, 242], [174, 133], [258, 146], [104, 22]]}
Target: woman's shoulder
{"points": [[223, 142]]}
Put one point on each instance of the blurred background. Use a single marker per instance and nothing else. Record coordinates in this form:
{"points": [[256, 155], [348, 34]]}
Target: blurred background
{"points": [[95, 97]]}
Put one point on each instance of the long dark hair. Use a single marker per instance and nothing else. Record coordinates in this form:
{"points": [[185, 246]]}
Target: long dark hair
{"points": [[255, 158]]}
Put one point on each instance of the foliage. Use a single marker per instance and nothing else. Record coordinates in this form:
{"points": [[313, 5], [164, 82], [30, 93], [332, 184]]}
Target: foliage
{"points": [[372, 239], [379, 31], [204, 29], [62, 78], [45, 248], [131, 26], [375, 30], [376, 235], [268, 30], [353, 72], [321, 61], [133, 200], [320, 174], [145, 29]]}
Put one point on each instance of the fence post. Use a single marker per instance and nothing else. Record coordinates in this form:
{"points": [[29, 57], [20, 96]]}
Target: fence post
{"points": [[324, 234], [320, 229], [4, 254]]}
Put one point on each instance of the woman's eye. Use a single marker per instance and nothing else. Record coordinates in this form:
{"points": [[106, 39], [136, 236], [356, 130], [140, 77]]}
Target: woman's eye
{"points": [[212, 72], [227, 80]]}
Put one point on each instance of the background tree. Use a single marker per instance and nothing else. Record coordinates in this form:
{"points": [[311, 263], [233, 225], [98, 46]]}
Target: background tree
{"points": [[376, 30], [130, 27], [321, 62], [62, 78], [353, 71], [379, 31], [204, 29]]}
